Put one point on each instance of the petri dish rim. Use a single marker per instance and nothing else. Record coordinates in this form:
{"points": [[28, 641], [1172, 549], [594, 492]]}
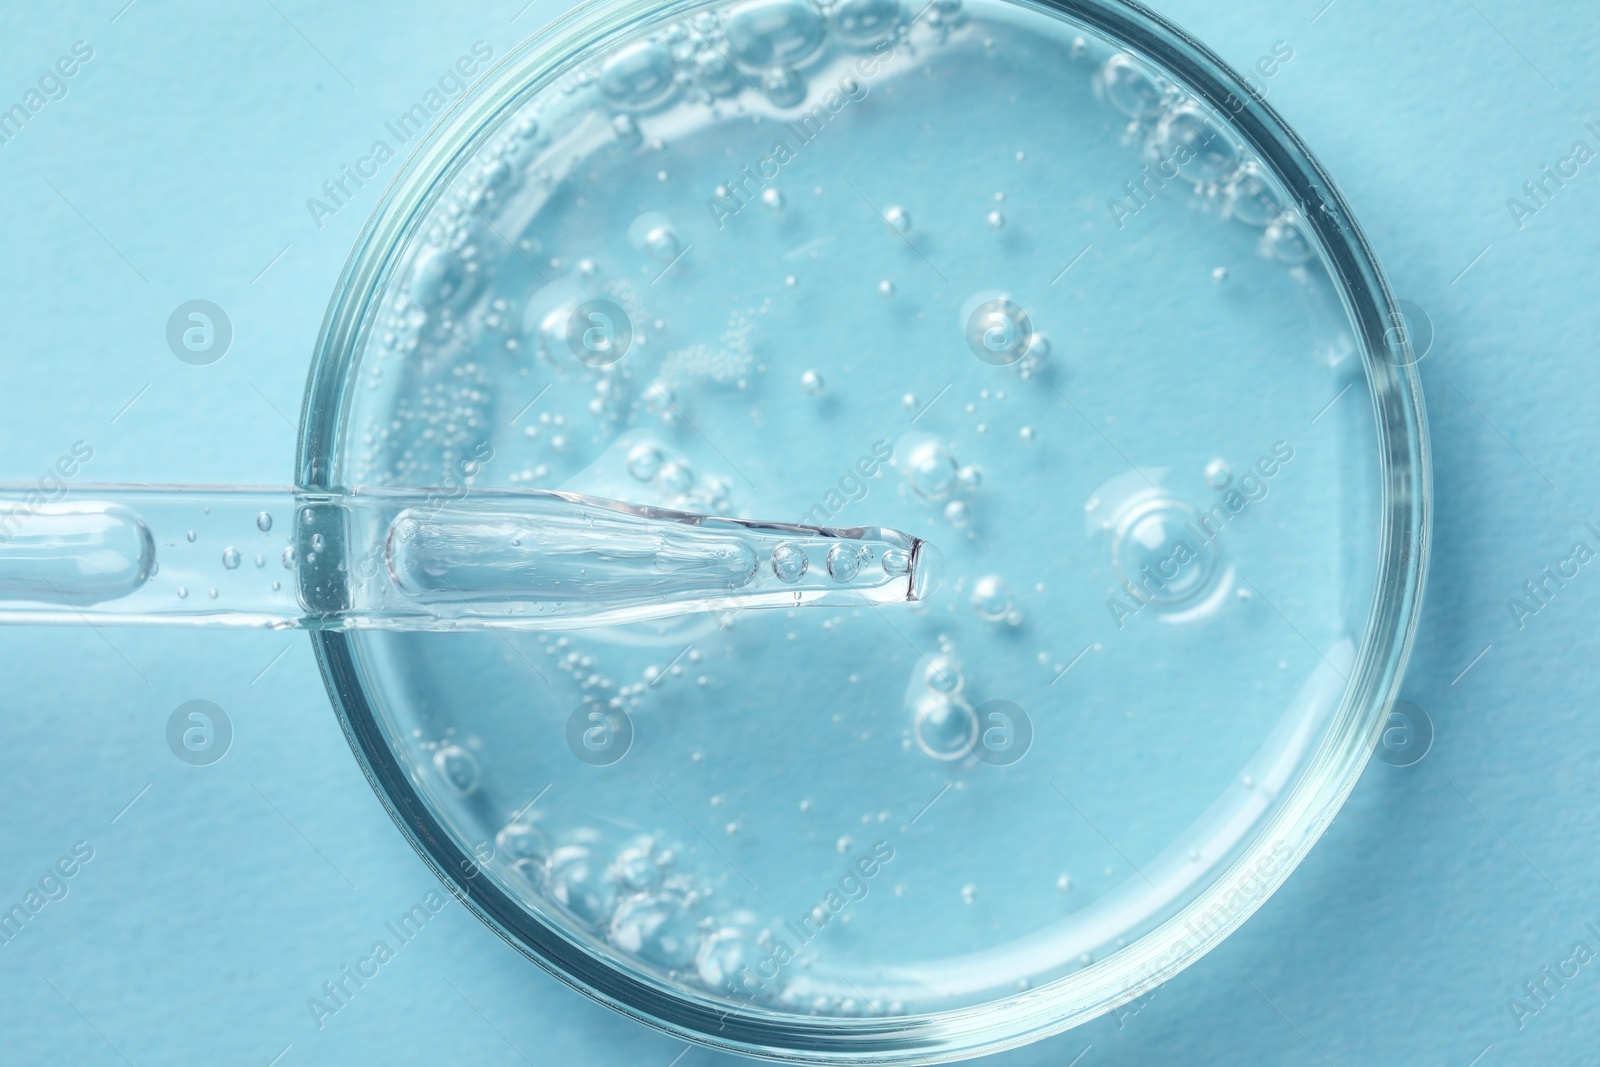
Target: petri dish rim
{"points": [[1299, 820]]}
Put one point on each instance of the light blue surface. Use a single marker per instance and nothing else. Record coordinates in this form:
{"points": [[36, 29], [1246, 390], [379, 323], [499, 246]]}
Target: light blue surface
{"points": [[178, 167]]}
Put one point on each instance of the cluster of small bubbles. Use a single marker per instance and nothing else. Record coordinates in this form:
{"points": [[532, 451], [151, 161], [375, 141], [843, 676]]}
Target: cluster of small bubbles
{"points": [[636, 869], [263, 522], [659, 928], [898, 219], [1218, 474], [230, 558], [844, 561], [458, 769], [995, 220], [723, 956], [789, 562], [991, 598], [812, 383]]}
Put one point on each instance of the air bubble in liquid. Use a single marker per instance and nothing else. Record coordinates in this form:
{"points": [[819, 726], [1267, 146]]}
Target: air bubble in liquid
{"points": [[955, 513], [637, 75], [996, 220], [789, 562], [1160, 550], [764, 32], [895, 562], [1218, 474], [230, 558], [991, 598], [677, 477], [1129, 89], [662, 244], [898, 218], [812, 383], [644, 461], [945, 726], [931, 469], [263, 522], [844, 561], [1212, 155], [627, 131], [716, 73], [458, 769], [969, 478], [521, 841], [723, 957], [783, 86], [437, 277], [581, 884], [1284, 242], [659, 928], [866, 22], [636, 869], [772, 199], [943, 675], [1250, 197]]}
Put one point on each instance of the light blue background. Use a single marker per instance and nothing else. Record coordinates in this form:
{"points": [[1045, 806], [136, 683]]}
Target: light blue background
{"points": [[178, 167]]}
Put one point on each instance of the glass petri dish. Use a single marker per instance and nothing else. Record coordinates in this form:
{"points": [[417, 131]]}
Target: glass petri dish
{"points": [[1045, 284]]}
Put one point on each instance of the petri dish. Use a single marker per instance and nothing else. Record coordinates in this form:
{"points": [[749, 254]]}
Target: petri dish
{"points": [[1043, 284]]}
